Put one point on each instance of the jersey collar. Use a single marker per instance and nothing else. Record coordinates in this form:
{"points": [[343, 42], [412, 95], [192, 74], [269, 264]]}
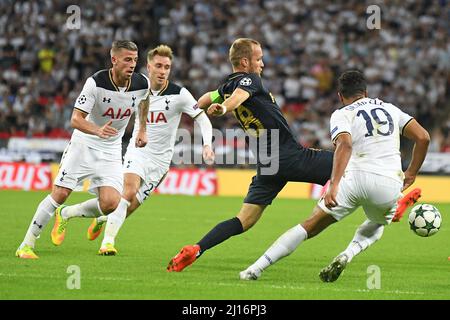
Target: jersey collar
{"points": [[164, 88], [236, 74], [115, 85]]}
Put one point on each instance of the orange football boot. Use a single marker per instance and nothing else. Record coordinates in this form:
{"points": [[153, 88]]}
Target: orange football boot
{"points": [[405, 202], [186, 257]]}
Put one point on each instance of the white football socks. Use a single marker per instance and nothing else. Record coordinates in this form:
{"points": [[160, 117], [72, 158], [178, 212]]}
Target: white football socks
{"points": [[282, 247], [367, 234], [115, 221], [44, 212], [87, 209]]}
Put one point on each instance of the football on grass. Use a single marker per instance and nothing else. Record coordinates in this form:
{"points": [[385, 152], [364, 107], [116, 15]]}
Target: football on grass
{"points": [[425, 220]]}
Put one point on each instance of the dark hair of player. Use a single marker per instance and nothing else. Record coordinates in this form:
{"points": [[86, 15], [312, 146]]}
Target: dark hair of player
{"points": [[352, 83]]}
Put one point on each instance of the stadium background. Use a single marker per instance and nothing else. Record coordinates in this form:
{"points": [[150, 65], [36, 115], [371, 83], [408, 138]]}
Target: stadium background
{"points": [[43, 66]]}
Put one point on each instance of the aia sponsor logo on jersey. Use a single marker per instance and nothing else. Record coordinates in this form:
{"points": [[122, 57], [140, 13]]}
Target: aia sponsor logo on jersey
{"points": [[155, 117], [121, 113]]}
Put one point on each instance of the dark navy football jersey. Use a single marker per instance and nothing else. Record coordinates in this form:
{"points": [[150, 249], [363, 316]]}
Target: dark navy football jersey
{"points": [[260, 113]]}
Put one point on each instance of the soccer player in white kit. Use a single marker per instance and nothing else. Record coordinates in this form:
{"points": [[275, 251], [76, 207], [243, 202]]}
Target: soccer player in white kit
{"points": [[366, 172], [100, 116], [145, 168]]}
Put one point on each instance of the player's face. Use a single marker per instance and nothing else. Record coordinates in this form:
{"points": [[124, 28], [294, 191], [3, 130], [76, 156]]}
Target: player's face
{"points": [[158, 70], [256, 62], [124, 61]]}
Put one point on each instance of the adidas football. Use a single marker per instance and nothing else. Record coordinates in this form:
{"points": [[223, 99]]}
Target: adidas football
{"points": [[425, 220]]}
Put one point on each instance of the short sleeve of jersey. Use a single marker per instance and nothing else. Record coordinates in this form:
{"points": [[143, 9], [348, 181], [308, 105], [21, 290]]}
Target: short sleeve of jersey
{"points": [[339, 123], [251, 83], [86, 100], [403, 119], [189, 104]]}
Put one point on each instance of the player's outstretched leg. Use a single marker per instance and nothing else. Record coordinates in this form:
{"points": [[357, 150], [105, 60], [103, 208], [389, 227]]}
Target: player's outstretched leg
{"points": [[188, 254], [281, 248], [247, 217], [405, 202]]}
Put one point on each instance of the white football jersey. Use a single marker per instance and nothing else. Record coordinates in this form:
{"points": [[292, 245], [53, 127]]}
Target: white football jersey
{"points": [[375, 127], [104, 101], [163, 119]]}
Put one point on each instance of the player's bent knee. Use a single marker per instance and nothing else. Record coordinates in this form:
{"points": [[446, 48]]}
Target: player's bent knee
{"points": [[60, 194], [130, 194], [109, 205]]}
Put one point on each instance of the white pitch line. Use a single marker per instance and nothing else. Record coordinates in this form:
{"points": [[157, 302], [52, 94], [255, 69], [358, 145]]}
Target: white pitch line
{"points": [[15, 275], [290, 287]]}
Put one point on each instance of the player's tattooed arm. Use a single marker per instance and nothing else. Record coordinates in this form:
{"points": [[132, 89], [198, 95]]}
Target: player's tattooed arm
{"points": [[78, 121], [235, 100], [141, 138]]}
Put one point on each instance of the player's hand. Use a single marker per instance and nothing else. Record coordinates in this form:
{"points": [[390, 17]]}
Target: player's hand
{"points": [[330, 196], [107, 131], [208, 155], [409, 180], [141, 139], [216, 109]]}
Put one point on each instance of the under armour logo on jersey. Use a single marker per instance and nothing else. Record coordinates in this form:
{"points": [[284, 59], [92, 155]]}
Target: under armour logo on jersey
{"points": [[134, 101], [107, 100], [82, 99], [167, 104], [245, 82], [38, 225], [63, 174]]}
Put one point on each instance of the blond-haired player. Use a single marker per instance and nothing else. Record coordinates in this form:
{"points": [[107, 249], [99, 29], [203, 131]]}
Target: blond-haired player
{"points": [[145, 168]]}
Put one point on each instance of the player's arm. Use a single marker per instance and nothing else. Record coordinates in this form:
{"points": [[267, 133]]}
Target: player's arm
{"points": [[237, 98], [141, 138], [206, 128], [414, 131], [79, 122], [342, 154], [209, 98]]}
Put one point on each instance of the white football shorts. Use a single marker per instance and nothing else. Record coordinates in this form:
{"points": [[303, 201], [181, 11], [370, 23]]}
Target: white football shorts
{"points": [[378, 195], [80, 162], [151, 172]]}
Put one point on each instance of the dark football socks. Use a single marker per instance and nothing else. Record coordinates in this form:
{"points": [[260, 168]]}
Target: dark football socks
{"points": [[220, 233]]}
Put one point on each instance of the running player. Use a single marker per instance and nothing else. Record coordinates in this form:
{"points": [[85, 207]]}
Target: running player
{"points": [[100, 116], [367, 172], [145, 168]]}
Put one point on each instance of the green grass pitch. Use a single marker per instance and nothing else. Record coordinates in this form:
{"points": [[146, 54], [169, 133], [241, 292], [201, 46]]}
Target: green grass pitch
{"points": [[410, 267]]}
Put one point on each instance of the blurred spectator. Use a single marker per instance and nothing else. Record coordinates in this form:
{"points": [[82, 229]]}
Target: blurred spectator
{"points": [[307, 45]]}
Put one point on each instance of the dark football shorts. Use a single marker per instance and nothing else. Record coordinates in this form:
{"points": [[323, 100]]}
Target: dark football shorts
{"points": [[305, 165]]}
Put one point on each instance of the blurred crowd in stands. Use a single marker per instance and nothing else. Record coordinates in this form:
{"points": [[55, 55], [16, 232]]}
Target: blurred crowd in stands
{"points": [[307, 44]]}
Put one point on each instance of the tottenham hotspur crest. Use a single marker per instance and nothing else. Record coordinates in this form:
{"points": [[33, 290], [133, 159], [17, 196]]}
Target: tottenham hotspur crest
{"points": [[245, 82]]}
